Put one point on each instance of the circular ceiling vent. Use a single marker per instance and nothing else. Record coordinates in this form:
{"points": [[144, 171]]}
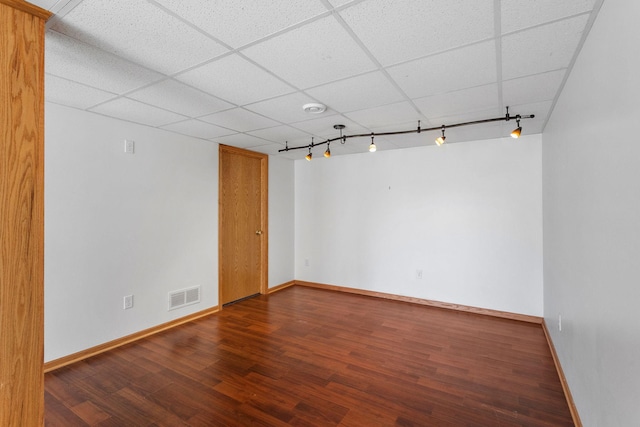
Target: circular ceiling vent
{"points": [[314, 108]]}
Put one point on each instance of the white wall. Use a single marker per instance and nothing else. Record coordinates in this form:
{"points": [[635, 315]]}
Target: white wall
{"points": [[118, 224], [591, 181], [281, 218], [469, 215], [142, 224]]}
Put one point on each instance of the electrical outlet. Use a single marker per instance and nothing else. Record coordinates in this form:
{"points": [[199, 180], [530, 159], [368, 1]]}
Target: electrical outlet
{"points": [[128, 302], [560, 322], [418, 274], [306, 262]]}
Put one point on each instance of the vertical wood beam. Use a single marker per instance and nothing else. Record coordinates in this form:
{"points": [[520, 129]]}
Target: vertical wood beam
{"points": [[21, 213]]}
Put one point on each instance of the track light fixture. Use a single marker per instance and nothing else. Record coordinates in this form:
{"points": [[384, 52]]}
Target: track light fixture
{"points": [[310, 155], [517, 131], [440, 140]]}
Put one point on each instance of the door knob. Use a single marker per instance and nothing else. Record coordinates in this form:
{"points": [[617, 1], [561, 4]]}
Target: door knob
{"points": [[258, 232]]}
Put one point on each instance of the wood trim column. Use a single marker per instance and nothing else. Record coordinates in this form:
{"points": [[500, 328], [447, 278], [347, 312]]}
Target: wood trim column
{"points": [[21, 213]]}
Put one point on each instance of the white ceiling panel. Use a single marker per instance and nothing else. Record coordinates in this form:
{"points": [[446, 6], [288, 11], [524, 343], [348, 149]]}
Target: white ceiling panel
{"points": [[198, 129], [450, 71], [73, 94], [45, 4], [236, 80], [546, 48], [280, 134], [357, 93], [244, 69], [180, 98], [323, 127], [286, 109], [134, 111], [386, 115], [73, 60], [404, 30], [111, 25], [238, 26], [517, 14], [241, 140], [270, 149], [240, 120], [316, 53], [463, 101], [539, 87]]}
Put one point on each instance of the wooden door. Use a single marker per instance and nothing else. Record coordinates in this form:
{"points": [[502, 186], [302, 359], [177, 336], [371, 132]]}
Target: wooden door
{"points": [[242, 247]]}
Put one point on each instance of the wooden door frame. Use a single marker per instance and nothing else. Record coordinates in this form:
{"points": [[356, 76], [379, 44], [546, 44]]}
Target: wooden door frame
{"points": [[264, 210]]}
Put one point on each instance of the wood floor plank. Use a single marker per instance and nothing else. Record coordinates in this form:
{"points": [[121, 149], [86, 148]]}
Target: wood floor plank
{"points": [[312, 357]]}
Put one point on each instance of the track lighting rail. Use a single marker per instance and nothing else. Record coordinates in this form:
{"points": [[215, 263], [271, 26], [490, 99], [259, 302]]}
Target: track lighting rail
{"points": [[343, 138]]}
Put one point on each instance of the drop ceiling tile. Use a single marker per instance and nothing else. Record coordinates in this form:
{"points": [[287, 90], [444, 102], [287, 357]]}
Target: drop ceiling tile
{"points": [[180, 98], [475, 133], [286, 109], [236, 80], [357, 93], [462, 101], [68, 58], [454, 70], [386, 115], [454, 118], [280, 134], [270, 149], [237, 26], [45, 4], [517, 14], [311, 55], [323, 127], [539, 87], [140, 32], [241, 140], [337, 3], [412, 140], [400, 31], [239, 119], [546, 48], [73, 94], [198, 129], [137, 112]]}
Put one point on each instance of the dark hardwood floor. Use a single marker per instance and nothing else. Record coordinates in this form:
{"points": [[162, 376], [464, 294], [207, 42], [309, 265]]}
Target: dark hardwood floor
{"points": [[310, 357]]}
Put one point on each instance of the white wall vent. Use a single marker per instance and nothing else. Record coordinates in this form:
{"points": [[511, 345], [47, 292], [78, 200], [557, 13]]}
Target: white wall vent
{"points": [[184, 297]]}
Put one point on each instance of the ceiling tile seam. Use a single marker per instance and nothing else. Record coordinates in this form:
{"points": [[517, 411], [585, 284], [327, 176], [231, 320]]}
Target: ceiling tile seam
{"points": [[125, 120], [111, 54], [115, 95], [233, 131], [585, 33], [62, 10], [268, 142], [245, 46], [497, 30], [553, 21], [189, 24], [535, 74], [440, 52], [375, 61]]}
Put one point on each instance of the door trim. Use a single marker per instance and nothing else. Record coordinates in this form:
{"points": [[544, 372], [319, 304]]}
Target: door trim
{"points": [[264, 210]]}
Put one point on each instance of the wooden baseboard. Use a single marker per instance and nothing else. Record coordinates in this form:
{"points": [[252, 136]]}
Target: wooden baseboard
{"points": [[84, 354], [563, 380], [281, 287], [439, 304]]}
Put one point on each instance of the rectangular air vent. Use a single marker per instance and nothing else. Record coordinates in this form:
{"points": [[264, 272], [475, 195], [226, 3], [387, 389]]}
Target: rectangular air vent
{"points": [[184, 297]]}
